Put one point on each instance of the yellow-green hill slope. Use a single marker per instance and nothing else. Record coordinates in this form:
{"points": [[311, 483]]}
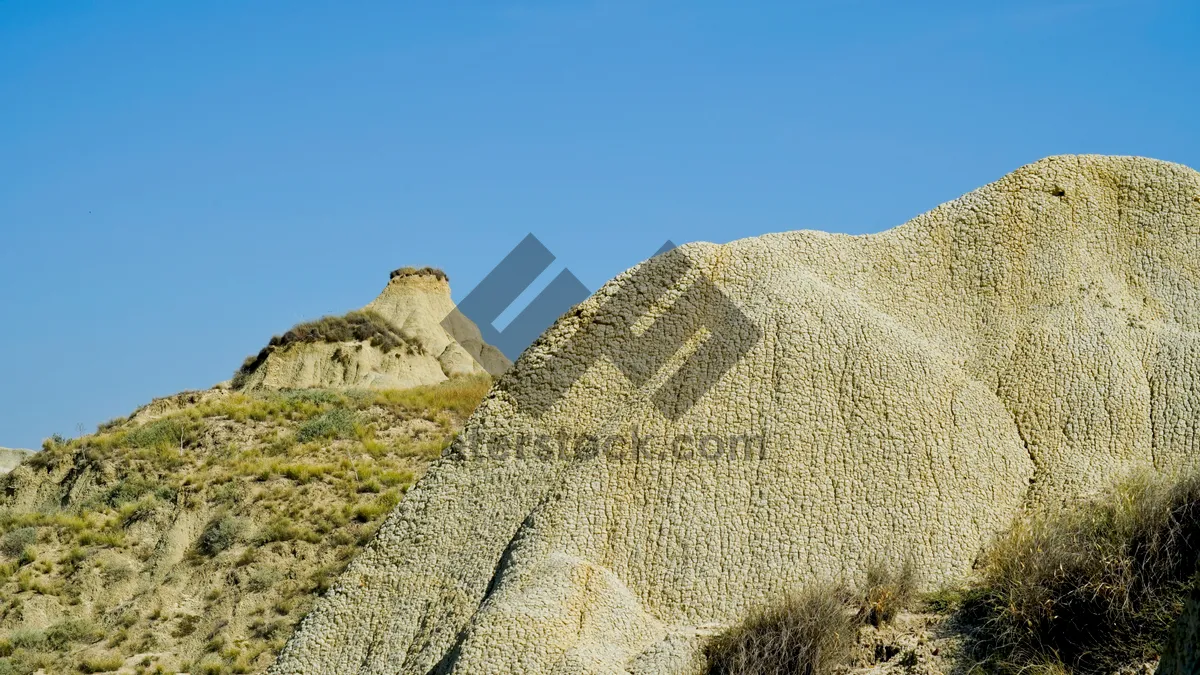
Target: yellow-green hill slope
{"points": [[195, 534]]}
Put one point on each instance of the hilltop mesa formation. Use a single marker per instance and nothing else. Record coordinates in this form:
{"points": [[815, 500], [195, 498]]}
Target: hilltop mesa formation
{"points": [[396, 341], [910, 392]]}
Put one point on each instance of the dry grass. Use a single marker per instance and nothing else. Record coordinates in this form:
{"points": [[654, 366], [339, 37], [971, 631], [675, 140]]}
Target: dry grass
{"points": [[806, 633], [286, 487], [1094, 587], [888, 591], [812, 631]]}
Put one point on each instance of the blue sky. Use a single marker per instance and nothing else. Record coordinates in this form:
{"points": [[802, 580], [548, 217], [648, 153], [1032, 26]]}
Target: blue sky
{"points": [[179, 181]]}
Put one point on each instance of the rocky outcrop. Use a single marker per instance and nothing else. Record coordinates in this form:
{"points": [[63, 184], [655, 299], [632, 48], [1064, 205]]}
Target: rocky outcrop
{"points": [[722, 423], [410, 348], [11, 457]]}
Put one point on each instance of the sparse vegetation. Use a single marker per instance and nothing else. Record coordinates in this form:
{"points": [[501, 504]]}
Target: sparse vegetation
{"points": [[812, 631], [282, 488], [101, 664], [336, 423], [419, 271], [888, 591], [1092, 588], [806, 633], [14, 542], [357, 326], [218, 535]]}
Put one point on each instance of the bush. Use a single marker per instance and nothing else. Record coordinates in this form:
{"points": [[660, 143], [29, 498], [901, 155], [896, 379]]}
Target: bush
{"points": [[55, 441], [887, 592], [71, 631], [165, 432], [101, 664], [133, 489], [218, 535], [14, 543], [1095, 587], [263, 579], [807, 633], [284, 529], [336, 423]]}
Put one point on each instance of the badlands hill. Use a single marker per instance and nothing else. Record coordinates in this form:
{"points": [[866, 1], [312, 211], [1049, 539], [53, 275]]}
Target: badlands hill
{"points": [[396, 341], [194, 534], [723, 423]]}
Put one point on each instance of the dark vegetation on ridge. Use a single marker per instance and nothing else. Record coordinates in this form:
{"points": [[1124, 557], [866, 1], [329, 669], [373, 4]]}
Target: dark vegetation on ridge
{"points": [[419, 271], [356, 326]]}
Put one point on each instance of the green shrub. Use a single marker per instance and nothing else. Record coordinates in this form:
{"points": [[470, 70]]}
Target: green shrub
{"points": [[72, 631], [14, 543], [807, 633], [263, 579], [1094, 587], [887, 591], [134, 488], [55, 441], [336, 423], [160, 433], [219, 534], [28, 638]]}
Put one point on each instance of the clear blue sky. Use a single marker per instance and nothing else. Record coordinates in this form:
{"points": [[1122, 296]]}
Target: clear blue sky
{"points": [[178, 181]]}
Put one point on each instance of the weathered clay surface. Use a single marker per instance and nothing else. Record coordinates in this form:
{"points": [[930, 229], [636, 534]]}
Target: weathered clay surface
{"points": [[10, 458], [416, 305], [912, 389]]}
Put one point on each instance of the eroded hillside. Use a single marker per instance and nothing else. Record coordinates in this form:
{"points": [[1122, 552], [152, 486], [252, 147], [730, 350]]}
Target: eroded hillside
{"points": [[193, 535]]}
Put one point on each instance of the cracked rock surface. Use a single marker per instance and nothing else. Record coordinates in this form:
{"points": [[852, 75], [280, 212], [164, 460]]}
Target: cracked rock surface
{"points": [[658, 462]]}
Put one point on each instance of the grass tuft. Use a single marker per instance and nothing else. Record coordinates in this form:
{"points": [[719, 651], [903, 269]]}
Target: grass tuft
{"points": [[219, 534], [806, 633], [14, 543], [888, 591], [1092, 588]]}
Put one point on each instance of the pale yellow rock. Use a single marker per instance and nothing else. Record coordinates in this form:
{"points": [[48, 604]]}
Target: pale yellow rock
{"points": [[1024, 343], [415, 305], [11, 457]]}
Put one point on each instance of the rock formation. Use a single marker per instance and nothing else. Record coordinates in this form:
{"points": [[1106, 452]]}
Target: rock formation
{"points": [[10, 458], [664, 457], [399, 343]]}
